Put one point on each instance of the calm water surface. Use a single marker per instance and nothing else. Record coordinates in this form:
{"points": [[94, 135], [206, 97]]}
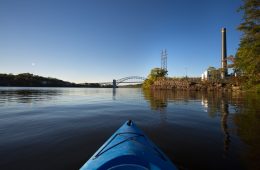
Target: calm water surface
{"points": [[60, 128]]}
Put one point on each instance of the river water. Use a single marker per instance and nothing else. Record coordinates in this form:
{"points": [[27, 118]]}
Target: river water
{"points": [[60, 128]]}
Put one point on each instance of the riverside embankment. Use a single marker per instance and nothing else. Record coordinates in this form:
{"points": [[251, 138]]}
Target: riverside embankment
{"points": [[194, 84]]}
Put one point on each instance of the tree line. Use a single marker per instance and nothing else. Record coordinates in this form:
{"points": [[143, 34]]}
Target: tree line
{"points": [[247, 58], [30, 80]]}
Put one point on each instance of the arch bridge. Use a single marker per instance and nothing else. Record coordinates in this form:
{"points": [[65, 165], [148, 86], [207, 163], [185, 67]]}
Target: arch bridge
{"points": [[125, 80], [129, 79]]}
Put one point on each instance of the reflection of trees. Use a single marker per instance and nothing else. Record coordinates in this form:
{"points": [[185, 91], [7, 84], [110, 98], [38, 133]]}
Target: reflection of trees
{"points": [[240, 109], [27, 95], [246, 111], [247, 120], [159, 99], [216, 104]]}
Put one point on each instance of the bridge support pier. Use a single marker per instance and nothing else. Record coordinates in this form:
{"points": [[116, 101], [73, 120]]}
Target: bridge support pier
{"points": [[114, 83]]}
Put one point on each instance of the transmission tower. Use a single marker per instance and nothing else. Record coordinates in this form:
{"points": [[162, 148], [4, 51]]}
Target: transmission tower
{"points": [[164, 60]]}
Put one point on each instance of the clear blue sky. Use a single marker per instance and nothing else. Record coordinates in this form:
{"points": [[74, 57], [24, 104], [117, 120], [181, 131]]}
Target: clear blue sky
{"points": [[101, 40]]}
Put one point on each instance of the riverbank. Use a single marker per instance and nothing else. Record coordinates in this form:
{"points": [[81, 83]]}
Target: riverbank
{"points": [[195, 84], [31, 80]]}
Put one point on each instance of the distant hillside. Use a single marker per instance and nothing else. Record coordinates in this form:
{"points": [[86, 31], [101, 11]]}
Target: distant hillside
{"points": [[30, 80]]}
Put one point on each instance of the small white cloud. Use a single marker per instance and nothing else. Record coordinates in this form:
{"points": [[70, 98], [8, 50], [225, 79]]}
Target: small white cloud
{"points": [[33, 64]]}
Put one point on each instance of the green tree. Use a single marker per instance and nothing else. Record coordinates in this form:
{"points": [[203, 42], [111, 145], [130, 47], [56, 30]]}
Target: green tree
{"points": [[248, 57], [154, 75], [214, 74], [157, 72]]}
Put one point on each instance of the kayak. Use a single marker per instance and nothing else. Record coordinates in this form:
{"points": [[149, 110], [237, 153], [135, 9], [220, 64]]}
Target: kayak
{"points": [[128, 148]]}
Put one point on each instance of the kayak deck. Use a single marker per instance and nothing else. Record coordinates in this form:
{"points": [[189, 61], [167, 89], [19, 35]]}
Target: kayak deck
{"points": [[128, 148]]}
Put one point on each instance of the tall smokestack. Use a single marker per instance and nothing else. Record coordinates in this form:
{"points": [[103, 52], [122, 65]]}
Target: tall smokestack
{"points": [[224, 71]]}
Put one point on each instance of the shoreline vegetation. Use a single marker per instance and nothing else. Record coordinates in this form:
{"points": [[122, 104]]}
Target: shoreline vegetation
{"points": [[157, 80], [196, 84], [30, 80]]}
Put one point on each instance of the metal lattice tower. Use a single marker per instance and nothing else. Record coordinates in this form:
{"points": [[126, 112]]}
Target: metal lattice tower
{"points": [[164, 60]]}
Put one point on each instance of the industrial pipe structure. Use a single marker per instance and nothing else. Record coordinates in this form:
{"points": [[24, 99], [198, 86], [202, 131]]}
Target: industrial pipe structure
{"points": [[224, 71]]}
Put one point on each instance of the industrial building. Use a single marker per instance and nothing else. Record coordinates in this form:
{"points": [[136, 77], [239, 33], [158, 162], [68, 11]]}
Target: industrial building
{"points": [[206, 75]]}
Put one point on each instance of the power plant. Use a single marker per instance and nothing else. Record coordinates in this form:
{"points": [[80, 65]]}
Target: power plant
{"points": [[224, 70]]}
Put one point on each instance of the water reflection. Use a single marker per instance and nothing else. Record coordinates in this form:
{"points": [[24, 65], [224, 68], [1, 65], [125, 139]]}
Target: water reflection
{"points": [[248, 127], [241, 111], [27, 95], [224, 125], [213, 103], [114, 93], [159, 99], [219, 103], [191, 127]]}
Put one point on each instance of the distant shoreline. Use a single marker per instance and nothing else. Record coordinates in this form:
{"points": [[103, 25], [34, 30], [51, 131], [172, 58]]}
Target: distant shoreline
{"points": [[30, 80]]}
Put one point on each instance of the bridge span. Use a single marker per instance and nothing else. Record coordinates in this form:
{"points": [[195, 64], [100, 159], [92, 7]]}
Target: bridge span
{"points": [[130, 79]]}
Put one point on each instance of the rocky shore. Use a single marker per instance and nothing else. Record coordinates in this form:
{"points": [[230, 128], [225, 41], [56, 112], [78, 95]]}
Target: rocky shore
{"points": [[194, 84]]}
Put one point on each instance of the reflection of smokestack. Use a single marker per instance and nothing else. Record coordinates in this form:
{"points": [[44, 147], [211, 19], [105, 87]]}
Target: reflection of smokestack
{"points": [[224, 71], [224, 125]]}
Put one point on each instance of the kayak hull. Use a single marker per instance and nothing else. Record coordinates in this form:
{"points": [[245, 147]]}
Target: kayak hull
{"points": [[128, 148]]}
